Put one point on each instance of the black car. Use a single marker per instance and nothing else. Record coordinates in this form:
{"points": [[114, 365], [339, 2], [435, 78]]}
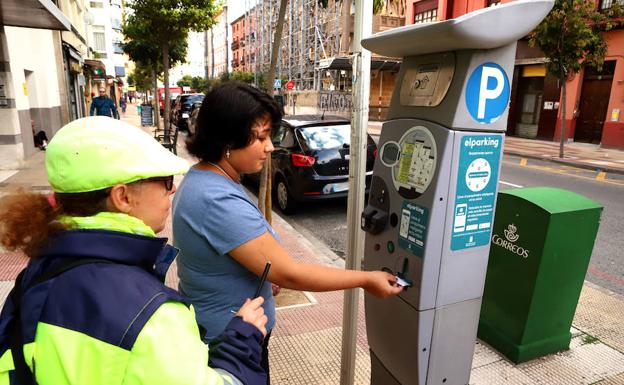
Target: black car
{"points": [[191, 122], [182, 109], [311, 159]]}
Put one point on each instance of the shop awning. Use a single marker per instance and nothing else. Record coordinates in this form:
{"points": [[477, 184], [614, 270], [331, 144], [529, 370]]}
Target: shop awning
{"points": [[41, 14]]}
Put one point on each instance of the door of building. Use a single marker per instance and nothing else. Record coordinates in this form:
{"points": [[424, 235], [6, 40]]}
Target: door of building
{"points": [[550, 111], [594, 103]]}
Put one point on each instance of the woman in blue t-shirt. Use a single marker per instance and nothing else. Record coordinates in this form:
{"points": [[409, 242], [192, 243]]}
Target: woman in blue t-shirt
{"points": [[224, 240]]}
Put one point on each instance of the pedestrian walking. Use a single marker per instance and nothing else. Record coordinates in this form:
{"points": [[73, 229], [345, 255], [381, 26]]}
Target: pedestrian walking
{"points": [[122, 104], [102, 105], [225, 242], [91, 306]]}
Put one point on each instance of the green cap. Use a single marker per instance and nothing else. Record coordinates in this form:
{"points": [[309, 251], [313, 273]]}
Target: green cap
{"points": [[97, 152]]}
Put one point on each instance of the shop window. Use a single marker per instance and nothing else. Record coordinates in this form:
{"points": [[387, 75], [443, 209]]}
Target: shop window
{"points": [[425, 11]]}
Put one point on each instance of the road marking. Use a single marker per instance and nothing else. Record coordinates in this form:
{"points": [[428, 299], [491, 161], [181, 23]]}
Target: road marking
{"points": [[567, 172], [510, 184], [601, 176], [523, 161]]}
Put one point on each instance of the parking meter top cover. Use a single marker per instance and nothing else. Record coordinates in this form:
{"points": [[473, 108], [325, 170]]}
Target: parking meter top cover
{"points": [[487, 28]]}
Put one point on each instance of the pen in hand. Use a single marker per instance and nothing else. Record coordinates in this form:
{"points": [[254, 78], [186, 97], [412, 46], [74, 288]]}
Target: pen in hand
{"points": [[263, 278]]}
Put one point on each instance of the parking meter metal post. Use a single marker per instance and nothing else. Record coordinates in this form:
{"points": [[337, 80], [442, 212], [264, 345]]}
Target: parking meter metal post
{"points": [[433, 194]]}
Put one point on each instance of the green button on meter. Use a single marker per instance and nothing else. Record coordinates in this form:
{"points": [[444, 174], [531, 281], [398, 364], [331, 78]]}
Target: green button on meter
{"points": [[390, 247]]}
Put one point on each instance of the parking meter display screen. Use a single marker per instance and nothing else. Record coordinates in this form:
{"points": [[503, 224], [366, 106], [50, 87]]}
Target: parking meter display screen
{"points": [[415, 166]]}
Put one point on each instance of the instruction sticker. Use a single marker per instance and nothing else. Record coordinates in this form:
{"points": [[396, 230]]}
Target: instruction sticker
{"points": [[415, 167], [413, 228], [477, 178]]}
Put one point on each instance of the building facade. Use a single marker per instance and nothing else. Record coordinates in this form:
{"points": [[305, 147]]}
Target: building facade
{"points": [[30, 75], [217, 46], [593, 101]]}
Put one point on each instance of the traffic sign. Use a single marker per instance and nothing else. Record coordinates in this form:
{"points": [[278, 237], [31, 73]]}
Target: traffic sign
{"points": [[290, 84], [487, 93], [277, 84]]}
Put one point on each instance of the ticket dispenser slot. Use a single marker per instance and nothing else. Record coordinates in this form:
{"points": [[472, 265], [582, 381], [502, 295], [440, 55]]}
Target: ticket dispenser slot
{"points": [[431, 204]]}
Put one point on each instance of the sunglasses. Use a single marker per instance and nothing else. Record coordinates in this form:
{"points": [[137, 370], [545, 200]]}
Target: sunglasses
{"points": [[167, 180]]}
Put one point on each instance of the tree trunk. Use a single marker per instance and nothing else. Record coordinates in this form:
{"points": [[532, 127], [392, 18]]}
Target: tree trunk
{"points": [[165, 51], [155, 100], [264, 198], [563, 118]]}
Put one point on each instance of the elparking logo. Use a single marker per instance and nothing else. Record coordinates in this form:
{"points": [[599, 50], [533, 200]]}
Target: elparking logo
{"points": [[487, 93]]}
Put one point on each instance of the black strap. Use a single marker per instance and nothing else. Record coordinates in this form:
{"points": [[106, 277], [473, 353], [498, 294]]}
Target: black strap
{"points": [[23, 375]]}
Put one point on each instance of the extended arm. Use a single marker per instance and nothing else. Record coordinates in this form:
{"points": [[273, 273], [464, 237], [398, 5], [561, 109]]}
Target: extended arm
{"points": [[289, 273]]}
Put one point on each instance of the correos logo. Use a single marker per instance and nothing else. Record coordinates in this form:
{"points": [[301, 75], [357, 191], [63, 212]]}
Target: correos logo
{"points": [[509, 242]]}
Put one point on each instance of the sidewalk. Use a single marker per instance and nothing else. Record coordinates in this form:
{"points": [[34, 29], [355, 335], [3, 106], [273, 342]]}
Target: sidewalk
{"points": [[582, 155], [305, 346]]}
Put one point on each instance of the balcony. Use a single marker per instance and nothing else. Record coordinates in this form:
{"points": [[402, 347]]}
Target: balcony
{"points": [[234, 45], [234, 63], [384, 22]]}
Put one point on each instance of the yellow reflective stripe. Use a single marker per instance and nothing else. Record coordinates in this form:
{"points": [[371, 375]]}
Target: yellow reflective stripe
{"points": [[64, 356], [169, 351], [6, 364]]}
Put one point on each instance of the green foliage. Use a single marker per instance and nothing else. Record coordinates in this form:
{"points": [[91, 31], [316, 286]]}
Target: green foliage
{"points": [[570, 36], [143, 50], [242, 76], [142, 78], [130, 80], [185, 81], [172, 19], [587, 339], [378, 6], [196, 83]]}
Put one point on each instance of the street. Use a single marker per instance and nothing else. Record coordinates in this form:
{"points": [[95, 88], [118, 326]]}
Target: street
{"points": [[327, 220]]}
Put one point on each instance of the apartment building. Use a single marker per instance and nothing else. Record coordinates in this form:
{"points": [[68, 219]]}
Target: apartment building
{"points": [[593, 102]]}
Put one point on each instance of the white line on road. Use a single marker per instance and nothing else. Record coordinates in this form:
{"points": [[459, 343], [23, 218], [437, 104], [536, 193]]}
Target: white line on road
{"points": [[510, 184]]}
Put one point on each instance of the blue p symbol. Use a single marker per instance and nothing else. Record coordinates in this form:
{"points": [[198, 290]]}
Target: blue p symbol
{"points": [[487, 93]]}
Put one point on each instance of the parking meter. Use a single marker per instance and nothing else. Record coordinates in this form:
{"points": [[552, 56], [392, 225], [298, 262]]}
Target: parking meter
{"points": [[432, 198]]}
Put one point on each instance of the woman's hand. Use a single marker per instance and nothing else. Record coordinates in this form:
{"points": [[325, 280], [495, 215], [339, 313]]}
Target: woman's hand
{"points": [[275, 288], [253, 313], [382, 284]]}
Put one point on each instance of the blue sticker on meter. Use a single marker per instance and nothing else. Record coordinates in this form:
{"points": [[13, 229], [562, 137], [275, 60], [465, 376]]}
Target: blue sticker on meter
{"points": [[477, 179], [413, 228], [487, 93]]}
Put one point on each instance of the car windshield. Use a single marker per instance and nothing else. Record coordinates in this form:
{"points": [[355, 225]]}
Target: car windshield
{"points": [[323, 137], [192, 99]]}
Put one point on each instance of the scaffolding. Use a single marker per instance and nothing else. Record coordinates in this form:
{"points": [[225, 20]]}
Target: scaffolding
{"points": [[311, 33]]}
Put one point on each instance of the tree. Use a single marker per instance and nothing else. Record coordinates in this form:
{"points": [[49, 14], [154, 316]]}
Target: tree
{"points": [[141, 49], [185, 81], [571, 39], [264, 194], [171, 20]]}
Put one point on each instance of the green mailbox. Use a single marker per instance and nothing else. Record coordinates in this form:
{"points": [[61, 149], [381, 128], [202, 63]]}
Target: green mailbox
{"points": [[541, 244]]}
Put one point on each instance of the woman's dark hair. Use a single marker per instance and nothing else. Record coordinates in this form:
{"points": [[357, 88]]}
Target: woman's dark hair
{"points": [[27, 220], [226, 118]]}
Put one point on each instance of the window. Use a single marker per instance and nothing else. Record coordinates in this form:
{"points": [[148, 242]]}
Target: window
{"points": [[96, 4], [606, 4], [425, 11], [426, 16], [99, 38]]}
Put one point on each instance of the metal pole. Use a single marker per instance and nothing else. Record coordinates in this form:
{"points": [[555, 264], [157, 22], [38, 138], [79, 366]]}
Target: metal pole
{"points": [[357, 177]]}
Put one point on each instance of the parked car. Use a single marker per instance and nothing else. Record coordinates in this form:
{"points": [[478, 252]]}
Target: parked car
{"points": [[311, 160], [191, 122], [182, 108]]}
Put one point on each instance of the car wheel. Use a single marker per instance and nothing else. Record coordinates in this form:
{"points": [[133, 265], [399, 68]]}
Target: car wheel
{"points": [[285, 200]]}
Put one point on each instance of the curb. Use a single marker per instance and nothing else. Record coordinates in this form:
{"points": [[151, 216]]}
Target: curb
{"points": [[585, 166]]}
